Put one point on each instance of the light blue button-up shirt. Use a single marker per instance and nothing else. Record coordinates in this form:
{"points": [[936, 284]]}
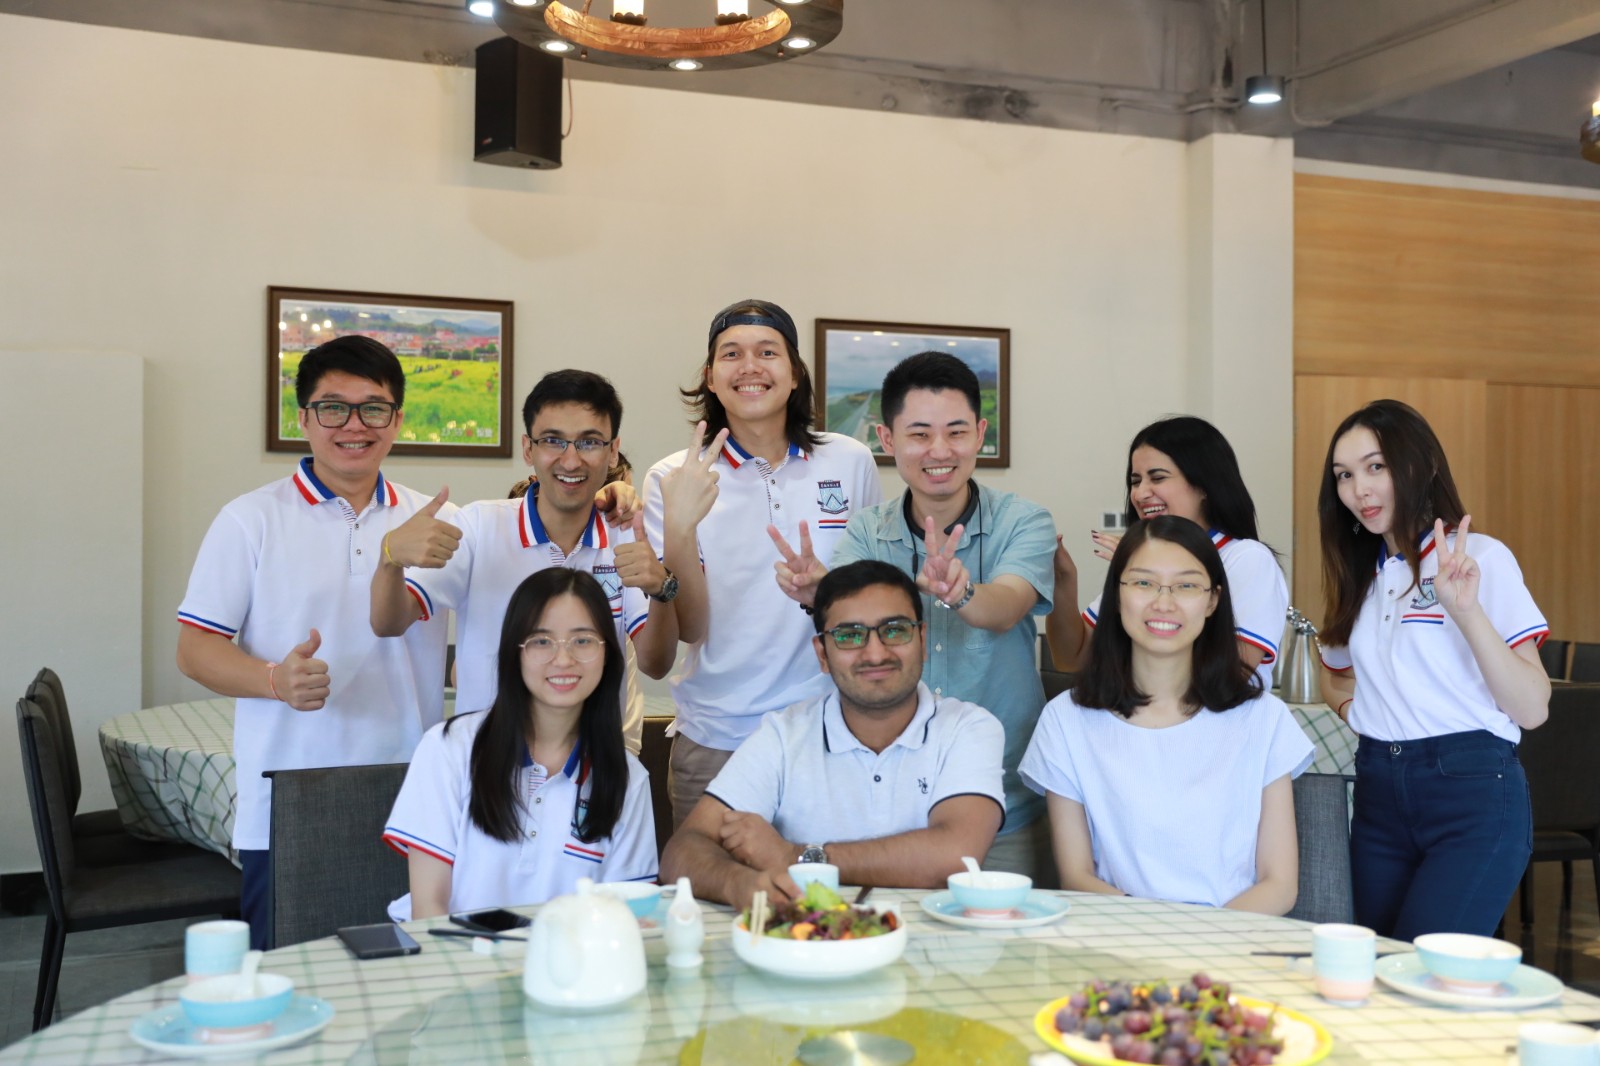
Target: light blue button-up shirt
{"points": [[997, 671]]}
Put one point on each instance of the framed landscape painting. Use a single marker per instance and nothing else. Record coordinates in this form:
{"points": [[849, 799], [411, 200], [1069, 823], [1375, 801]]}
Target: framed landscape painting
{"points": [[853, 357], [456, 355]]}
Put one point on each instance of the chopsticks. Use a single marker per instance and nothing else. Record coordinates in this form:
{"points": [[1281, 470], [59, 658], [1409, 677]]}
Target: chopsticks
{"points": [[861, 897], [1307, 954], [758, 916]]}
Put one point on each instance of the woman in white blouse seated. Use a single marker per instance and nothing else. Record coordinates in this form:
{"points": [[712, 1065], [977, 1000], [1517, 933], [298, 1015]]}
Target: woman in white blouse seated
{"points": [[513, 805], [1167, 769]]}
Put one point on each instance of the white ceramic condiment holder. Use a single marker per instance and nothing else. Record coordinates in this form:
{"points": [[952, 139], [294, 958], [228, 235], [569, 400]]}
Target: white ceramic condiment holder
{"points": [[685, 929]]}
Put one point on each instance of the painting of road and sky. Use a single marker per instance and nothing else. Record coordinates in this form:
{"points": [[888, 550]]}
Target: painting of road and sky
{"points": [[857, 360]]}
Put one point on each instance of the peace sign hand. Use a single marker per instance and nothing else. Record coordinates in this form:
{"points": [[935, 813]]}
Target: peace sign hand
{"points": [[1456, 585], [689, 490], [797, 572], [943, 576]]}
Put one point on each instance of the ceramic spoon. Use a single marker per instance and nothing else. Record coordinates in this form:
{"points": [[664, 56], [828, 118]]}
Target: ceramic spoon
{"points": [[978, 879], [246, 988]]}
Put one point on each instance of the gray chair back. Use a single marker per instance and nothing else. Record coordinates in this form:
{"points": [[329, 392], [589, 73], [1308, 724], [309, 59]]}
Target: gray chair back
{"points": [[330, 866], [1558, 758], [47, 692], [1322, 823], [1553, 654], [47, 797], [1585, 663]]}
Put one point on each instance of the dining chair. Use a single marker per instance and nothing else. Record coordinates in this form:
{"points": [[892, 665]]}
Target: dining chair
{"points": [[1322, 825], [82, 896], [48, 692], [1055, 681], [1553, 654], [1558, 758], [655, 752], [1585, 663], [329, 865]]}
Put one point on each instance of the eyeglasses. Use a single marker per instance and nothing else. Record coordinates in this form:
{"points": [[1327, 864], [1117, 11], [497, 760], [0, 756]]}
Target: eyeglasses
{"points": [[584, 648], [334, 414], [558, 445], [1183, 590], [853, 636]]}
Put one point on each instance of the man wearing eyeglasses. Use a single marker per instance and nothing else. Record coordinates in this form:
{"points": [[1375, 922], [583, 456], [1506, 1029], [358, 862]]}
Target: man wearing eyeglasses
{"points": [[474, 562], [880, 777], [276, 609]]}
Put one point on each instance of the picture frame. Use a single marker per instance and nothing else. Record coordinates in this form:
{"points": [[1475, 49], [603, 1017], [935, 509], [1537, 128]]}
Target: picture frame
{"points": [[853, 356], [456, 354]]}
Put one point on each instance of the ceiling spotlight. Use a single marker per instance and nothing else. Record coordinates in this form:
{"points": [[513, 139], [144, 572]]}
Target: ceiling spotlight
{"points": [[799, 43], [527, 3], [1263, 89], [484, 9], [685, 64], [556, 47]]}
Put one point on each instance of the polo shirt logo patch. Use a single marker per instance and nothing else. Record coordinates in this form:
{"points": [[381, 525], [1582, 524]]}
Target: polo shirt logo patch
{"points": [[579, 851], [831, 498], [1425, 597], [607, 576], [922, 783]]}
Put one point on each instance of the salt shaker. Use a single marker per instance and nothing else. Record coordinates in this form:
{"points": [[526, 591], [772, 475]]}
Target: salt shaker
{"points": [[685, 930]]}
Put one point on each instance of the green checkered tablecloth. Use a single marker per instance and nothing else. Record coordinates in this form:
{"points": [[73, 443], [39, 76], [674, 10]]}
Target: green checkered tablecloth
{"points": [[1335, 743], [449, 1005], [172, 772]]}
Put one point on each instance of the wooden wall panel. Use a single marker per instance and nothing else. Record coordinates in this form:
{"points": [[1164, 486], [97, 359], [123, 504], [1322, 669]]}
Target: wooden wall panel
{"points": [[1544, 464], [1415, 281], [1456, 410]]}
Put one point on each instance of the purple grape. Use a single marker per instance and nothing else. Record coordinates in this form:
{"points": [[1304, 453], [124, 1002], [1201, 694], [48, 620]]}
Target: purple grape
{"points": [[1136, 1022], [1093, 1029], [1067, 1020], [1173, 1057]]}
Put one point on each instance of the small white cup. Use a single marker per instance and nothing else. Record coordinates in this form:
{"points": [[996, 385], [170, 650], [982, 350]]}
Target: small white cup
{"points": [[212, 948], [1557, 1044], [806, 872], [1344, 958]]}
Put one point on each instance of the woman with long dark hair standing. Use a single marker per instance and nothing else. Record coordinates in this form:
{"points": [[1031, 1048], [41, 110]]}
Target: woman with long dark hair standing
{"points": [[1167, 769], [1430, 649], [513, 805]]}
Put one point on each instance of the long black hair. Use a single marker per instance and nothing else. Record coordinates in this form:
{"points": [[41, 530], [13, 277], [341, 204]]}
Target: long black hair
{"points": [[498, 749], [1423, 491], [1218, 678], [1206, 460]]}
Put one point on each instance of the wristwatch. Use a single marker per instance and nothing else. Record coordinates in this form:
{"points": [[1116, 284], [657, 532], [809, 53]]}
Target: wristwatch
{"points": [[966, 598], [813, 853], [669, 589]]}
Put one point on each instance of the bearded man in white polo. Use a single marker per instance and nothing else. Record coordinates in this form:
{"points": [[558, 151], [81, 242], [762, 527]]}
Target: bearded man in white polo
{"points": [[879, 777]]}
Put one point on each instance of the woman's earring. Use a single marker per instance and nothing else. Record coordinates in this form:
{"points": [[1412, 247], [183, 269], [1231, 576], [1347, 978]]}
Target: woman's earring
{"points": [[1355, 527]]}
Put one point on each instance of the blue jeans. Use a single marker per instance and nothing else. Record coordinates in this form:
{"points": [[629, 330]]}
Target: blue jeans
{"points": [[1441, 834], [255, 895]]}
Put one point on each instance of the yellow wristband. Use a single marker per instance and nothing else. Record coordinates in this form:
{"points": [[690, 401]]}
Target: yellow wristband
{"points": [[386, 554]]}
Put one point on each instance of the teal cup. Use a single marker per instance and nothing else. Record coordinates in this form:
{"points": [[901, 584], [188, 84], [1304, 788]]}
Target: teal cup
{"points": [[212, 948], [1557, 1044], [1344, 959], [806, 872]]}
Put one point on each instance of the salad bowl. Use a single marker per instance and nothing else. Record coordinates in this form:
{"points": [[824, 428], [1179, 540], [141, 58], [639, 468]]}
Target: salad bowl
{"points": [[796, 949]]}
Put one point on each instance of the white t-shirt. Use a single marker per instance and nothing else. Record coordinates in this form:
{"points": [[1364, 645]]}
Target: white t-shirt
{"points": [[1415, 674], [276, 563], [1173, 813], [756, 656], [805, 772], [546, 859], [1259, 594], [502, 544]]}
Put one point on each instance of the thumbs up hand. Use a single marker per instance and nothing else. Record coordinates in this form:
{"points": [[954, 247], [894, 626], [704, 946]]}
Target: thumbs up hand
{"points": [[637, 564], [423, 539], [301, 680]]}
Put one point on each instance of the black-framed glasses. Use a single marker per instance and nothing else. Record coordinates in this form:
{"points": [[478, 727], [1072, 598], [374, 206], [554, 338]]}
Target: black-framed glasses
{"points": [[584, 647], [558, 445], [853, 636], [335, 414], [1183, 590]]}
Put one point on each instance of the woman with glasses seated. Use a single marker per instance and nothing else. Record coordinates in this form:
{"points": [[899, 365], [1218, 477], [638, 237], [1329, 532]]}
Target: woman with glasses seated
{"points": [[514, 804], [1430, 644], [1167, 770], [1185, 467]]}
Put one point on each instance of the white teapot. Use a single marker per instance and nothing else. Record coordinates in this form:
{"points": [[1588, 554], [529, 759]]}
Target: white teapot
{"points": [[584, 951]]}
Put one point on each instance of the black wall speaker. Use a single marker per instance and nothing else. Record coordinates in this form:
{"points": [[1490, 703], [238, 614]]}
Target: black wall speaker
{"points": [[518, 114]]}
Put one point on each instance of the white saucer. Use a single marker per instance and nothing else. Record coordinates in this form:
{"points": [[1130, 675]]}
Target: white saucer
{"points": [[1526, 987], [1040, 908], [655, 922], [170, 1032]]}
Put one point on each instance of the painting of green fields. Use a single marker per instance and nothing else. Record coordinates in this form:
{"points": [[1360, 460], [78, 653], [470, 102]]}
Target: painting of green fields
{"points": [[448, 401]]}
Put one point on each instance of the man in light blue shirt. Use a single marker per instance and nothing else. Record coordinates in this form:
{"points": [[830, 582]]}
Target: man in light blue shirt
{"points": [[983, 560]]}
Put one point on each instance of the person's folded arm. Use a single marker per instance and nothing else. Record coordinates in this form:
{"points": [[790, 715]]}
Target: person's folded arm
{"points": [[922, 858], [1074, 847], [696, 852], [1277, 855]]}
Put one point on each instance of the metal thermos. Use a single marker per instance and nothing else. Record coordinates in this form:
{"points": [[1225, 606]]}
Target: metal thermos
{"points": [[1297, 668]]}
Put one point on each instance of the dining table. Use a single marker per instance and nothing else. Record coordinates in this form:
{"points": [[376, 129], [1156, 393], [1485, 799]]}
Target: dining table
{"points": [[955, 989]]}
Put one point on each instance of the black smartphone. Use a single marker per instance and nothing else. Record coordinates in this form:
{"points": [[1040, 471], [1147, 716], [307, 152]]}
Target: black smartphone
{"points": [[498, 920], [381, 941]]}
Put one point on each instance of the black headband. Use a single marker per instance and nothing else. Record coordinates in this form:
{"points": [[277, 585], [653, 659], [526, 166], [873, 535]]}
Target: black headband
{"points": [[771, 316]]}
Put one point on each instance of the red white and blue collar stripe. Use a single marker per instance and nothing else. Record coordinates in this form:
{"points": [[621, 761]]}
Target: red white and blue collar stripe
{"points": [[532, 531], [315, 492], [737, 456], [1425, 542], [1219, 538]]}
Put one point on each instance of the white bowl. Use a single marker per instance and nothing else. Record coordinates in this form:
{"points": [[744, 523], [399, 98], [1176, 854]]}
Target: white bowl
{"points": [[641, 897], [817, 960], [1467, 962], [210, 1004], [989, 893]]}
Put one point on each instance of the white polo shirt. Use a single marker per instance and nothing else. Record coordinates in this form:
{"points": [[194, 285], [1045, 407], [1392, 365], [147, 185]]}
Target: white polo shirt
{"points": [[756, 656], [1415, 674], [807, 774], [546, 859], [502, 544], [276, 563], [1259, 594]]}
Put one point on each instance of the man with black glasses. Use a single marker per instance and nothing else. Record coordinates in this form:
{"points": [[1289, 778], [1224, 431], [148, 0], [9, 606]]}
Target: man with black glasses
{"points": [[473, 562], [276, 609], [879, 777]]}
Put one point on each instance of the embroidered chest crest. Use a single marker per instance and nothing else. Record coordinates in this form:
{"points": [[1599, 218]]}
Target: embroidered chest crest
{"points": [[831, 498]]}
